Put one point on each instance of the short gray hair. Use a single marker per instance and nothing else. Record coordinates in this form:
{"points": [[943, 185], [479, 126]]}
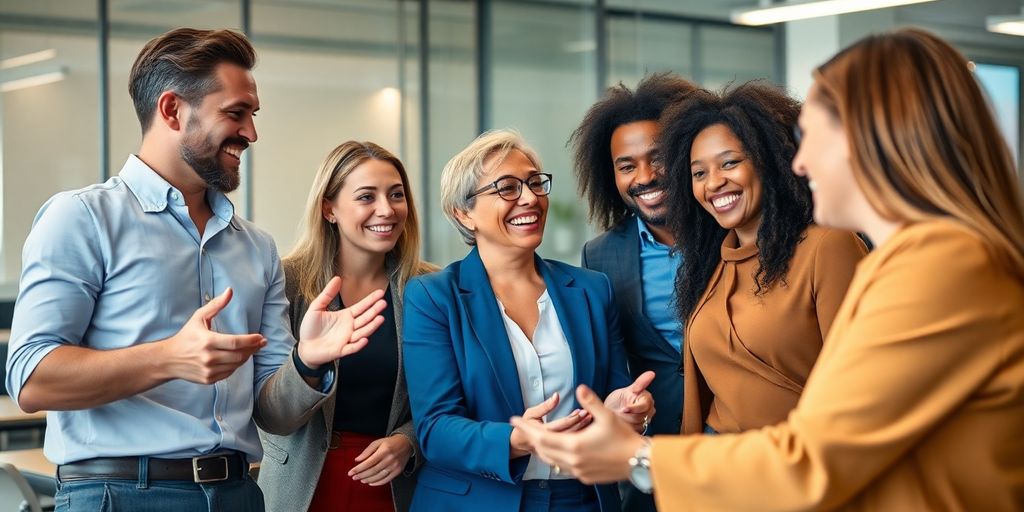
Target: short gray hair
{"points": [[462, 173]]}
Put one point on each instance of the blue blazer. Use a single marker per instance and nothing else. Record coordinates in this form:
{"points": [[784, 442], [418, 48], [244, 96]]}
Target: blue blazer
{"points": [[463, 383], [616, 253]]}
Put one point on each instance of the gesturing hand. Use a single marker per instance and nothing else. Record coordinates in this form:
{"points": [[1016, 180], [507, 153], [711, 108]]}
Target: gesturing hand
{"points": [[382, 460], [328, 335], [597, 454], [634, 403], [574, 421], [197, 353]]}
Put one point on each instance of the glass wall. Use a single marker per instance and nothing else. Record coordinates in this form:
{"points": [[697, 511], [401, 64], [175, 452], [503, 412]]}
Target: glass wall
{"points": [[48, 115], [452, 114], [711, 54], [421, 78], [543, 68], [328, 72], [1002, 84]]}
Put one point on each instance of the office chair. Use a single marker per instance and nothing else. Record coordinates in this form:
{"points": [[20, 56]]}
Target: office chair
{"points": [[17, 496]]}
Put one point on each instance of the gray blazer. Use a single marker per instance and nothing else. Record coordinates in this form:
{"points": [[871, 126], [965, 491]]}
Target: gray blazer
{"points": [[292, 463]]}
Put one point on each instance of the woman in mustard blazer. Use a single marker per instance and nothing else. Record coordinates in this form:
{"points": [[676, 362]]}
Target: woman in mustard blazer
{"points": [[917, 399]]}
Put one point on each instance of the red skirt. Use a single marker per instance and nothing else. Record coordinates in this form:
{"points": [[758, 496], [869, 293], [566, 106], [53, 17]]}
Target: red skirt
{"points": [[338, 492]]}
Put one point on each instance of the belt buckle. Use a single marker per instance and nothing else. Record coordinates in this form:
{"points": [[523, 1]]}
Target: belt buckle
{"points": [[198, 472]]}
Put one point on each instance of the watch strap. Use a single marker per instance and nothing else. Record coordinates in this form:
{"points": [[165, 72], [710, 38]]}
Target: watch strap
{"points": [[306, 371]]}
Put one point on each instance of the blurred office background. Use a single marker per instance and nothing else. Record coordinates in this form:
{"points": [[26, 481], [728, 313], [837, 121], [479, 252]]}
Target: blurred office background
{"points": [[421, 78]]}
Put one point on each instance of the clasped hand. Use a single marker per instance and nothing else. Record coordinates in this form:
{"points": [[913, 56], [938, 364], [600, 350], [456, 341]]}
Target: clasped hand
{"points": [[632, 404]]}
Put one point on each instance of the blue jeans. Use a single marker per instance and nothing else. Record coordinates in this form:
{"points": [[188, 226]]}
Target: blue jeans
{"points": [[558, 496], [163, 495]]}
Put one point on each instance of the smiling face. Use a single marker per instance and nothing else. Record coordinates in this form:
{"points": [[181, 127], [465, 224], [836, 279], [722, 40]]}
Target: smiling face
{"points": [[501, 223], [725, 181], [638, 170], [370, 209], [824, 158], [221, 127]]}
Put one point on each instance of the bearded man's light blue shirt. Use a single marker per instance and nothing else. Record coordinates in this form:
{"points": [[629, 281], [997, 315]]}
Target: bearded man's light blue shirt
{"points": [[658, 266], [121, 263]]}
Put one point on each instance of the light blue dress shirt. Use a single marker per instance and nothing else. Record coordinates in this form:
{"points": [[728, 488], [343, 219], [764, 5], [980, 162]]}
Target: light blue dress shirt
{"points": [[121, 263], [658, 265]]}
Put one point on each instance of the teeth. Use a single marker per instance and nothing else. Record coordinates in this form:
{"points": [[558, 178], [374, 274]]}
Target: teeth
{"points": [[234, 151], [381, 229], [652, 195], [527, 219], [722, 202]]}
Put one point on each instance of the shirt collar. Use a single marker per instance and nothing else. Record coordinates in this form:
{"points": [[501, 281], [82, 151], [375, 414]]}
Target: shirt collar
{"points": [[155, 193], [646, 237]]}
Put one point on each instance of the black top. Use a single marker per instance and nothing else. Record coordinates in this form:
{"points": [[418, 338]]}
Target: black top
{"points": [[366, 383]]}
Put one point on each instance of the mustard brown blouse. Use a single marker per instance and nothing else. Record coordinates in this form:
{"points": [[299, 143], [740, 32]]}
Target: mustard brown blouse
{"points": [[747, 356]]}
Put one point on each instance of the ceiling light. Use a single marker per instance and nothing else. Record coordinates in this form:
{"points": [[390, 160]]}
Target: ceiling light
{"points": [[48, 75], [1012, 25], [791, 11], [30, 58]]}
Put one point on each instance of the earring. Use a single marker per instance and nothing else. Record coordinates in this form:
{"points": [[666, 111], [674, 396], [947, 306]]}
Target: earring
{"points": [[332, 220]]}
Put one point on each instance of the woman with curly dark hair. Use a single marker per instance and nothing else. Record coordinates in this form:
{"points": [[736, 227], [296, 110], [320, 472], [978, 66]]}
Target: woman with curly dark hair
{"points": [[755, 317]]}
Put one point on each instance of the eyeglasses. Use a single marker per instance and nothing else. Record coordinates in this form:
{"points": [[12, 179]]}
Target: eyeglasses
{"points": [[510, 188]]}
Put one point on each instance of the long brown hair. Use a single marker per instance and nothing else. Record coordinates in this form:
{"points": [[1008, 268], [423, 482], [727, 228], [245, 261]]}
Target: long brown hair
{"points": [[923, 140], [315, 254]]}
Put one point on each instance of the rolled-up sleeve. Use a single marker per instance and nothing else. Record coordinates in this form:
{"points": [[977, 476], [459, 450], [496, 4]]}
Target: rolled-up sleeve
{"points": [[63, 272]]}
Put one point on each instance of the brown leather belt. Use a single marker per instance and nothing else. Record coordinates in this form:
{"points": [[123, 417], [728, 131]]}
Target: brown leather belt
{"points": [[201, 470]]}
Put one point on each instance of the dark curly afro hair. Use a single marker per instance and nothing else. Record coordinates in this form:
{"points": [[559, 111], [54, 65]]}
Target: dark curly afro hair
{"points": [[591, 142], [762, 117]]}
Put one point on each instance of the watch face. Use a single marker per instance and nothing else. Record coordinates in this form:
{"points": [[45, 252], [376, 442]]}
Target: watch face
{"points": [[640, 476]]}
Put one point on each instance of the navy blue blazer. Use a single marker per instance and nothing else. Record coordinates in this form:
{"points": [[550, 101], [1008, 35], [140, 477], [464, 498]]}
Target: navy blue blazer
{"points": [[616, 253], [463, 383]]}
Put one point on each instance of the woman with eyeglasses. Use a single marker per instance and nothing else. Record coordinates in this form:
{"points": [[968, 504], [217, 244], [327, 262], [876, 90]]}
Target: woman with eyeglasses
{"points": [[917, 399], [505, 333]]}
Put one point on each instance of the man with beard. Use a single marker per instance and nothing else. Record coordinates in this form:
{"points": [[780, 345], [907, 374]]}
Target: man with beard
{"points": [[619, 168], [153, 321]]}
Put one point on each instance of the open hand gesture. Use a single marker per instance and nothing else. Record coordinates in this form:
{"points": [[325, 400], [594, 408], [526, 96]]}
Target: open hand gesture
{"points": [[634, 403], [328, 335]]}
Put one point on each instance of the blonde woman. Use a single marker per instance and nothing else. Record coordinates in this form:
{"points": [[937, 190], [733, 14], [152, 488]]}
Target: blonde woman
{"points": [[359, 452], [917, 399]]}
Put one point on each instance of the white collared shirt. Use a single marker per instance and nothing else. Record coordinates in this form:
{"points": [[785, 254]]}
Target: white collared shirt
{"points": [[545, 367]]}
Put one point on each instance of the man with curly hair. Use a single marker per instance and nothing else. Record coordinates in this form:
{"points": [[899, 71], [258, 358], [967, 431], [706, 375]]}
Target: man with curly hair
{"points": [[618, 165]]}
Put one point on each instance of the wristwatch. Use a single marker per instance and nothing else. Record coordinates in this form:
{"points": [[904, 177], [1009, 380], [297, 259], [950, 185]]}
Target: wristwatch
{"points": [[640, 467]]}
